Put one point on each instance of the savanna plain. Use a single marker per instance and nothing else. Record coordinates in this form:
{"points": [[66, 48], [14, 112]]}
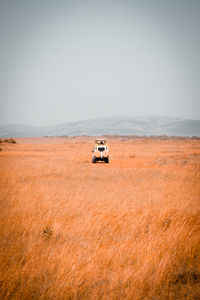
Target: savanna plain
{"points": [[70, 229]]}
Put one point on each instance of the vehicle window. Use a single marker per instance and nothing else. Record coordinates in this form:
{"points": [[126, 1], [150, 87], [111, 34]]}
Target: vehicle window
{"points": [[101, 148]]}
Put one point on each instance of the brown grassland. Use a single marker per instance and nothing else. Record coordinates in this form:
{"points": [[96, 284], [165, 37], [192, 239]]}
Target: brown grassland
{"points": [[70, 229]]}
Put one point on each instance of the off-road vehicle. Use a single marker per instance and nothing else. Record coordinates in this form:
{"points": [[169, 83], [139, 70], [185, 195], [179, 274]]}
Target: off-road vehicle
{"points": [[100, 151]]}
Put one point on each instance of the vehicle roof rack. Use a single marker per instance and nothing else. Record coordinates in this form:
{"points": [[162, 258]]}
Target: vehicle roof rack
{"points": [[101, 139]]}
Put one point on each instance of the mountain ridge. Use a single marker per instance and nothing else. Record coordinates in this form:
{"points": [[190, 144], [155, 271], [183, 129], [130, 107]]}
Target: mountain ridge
{"points": [[120, 125]]}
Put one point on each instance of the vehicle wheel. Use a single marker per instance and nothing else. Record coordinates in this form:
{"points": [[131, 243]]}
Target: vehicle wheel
{"points": [[107, 160], [94, 160]]}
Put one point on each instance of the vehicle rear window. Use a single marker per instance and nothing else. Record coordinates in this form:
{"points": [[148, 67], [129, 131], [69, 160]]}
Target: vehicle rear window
{"points": [[101, 148]]}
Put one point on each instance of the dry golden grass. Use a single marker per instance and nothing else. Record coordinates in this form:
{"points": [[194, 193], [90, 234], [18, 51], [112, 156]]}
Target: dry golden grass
{"points": [[71, 229]]}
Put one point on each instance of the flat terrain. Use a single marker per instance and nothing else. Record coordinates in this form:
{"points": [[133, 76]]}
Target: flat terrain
{"points": [[71, 229]]}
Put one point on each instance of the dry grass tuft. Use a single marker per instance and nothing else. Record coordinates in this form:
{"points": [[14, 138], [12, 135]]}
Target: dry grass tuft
{"points": [[125, 230], [47, 231], [10, 141]]}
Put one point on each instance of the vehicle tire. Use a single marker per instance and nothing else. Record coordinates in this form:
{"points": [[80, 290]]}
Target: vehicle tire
{"points": [[93, 160], [106, 160]]}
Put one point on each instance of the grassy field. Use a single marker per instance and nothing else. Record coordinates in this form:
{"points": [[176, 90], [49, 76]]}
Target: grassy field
{"points": [[70, 229]]}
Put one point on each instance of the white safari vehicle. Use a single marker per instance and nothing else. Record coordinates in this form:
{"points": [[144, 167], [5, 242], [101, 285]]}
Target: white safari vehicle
{"points": [[100, 151]]}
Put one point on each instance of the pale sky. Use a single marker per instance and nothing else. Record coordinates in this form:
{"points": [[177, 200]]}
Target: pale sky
{"points": [[74, 60]]}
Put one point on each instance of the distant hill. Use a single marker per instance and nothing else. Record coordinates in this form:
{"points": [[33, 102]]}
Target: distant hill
{"points": [[111, 126]]}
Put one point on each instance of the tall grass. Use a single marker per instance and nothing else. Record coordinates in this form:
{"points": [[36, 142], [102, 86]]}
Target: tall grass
{"points": [[127, 230]]}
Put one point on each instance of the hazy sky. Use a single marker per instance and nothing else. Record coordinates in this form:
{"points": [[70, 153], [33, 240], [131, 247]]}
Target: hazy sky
{"points": [[73, 60]]}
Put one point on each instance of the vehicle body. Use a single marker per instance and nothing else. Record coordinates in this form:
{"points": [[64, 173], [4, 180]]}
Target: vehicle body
{"points": [[100, 151]]}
